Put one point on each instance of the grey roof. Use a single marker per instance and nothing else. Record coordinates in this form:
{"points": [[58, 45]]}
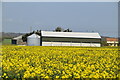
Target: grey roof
{"points": [[34, 36], [71, 34], [19, 37]]}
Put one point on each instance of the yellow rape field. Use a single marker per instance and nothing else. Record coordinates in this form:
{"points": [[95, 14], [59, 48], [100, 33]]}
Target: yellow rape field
{"points": [[20, 62]]}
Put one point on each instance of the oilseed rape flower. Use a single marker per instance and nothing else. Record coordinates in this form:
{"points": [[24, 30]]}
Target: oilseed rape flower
{"points": [[59, 62]]}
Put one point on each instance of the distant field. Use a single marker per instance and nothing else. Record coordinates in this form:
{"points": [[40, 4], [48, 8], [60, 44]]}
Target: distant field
{"points": [[59, 62], [6, 41]]}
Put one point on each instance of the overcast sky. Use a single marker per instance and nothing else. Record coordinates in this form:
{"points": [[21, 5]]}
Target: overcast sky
{"points": [[100, 17]]}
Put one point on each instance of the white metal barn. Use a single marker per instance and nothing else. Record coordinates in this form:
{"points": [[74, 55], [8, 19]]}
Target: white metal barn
{"points": [[49, 38], [33, 40]]}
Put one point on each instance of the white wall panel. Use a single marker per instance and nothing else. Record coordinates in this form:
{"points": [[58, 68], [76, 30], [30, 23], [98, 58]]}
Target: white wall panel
{"points": [[85, 44], [96, 44], [46, 44], [56, 44], [75, 44], [70, 44], [66, 44]]}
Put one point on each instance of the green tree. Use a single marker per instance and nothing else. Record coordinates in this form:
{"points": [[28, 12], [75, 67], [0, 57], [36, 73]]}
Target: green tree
{"points": [[104, 43], [59, 29], [67, 30]]}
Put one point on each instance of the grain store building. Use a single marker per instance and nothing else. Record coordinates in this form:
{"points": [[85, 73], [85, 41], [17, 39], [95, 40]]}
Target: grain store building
{"points": [[49, 38]]}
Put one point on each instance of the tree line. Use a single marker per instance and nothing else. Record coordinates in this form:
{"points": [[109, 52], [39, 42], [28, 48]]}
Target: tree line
{"points": [[38, 32]]}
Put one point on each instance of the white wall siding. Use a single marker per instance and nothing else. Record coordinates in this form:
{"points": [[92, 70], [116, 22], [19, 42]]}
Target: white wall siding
{"points": [[56, 44], [112, 41], [66, 44], [96, 45], [75, 44], [46, 44], [70, 44], [85, 44]]}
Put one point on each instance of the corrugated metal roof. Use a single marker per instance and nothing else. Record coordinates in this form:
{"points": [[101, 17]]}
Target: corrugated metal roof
{"points": [[19, 37], [112, 39], [70, 34], [34, 36]]}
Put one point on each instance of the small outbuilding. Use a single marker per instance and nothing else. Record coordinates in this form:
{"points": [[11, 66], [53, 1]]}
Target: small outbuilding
{"points": [[18, 40], [112, 41]]}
